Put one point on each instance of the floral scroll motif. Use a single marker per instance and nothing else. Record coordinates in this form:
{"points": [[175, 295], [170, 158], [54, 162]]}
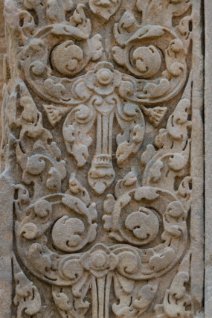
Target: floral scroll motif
{"points": [[154, 53], [98, 126], [104, 87], [177, 301], [27, 297]]}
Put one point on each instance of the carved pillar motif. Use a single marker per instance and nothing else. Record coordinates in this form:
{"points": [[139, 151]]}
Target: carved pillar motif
{"points": [[98, 122]]}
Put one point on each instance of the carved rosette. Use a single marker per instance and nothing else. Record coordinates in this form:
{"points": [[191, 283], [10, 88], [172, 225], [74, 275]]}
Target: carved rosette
{"points": [[99, 126]]}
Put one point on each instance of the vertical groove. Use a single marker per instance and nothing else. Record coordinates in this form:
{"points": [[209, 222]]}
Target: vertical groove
{"points": [[94, 298], [107, 294], [99, 134]]}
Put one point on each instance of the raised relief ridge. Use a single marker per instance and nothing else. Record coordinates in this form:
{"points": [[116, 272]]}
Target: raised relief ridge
{"points": [[99, 121]]}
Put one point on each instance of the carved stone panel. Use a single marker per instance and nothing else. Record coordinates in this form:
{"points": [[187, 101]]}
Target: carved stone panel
{"points": [[102, 123]]}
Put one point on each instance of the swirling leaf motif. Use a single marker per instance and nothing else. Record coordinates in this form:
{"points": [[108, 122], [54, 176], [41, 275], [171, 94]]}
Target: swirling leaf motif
{"points": [[37, 154], [139, 48], [68, 304], [177, 301], [131, 120], [56, 39], [141, 226], [40, 62], [170, 156], [68, 224], [132, 306], [27, 298], [75, 131]]}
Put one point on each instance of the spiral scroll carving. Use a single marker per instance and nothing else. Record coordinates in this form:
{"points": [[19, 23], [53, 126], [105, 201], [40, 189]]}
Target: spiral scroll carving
{"points": [[99, 120]]}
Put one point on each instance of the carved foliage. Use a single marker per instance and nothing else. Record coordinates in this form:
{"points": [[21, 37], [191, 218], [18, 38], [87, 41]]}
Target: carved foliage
{"points": [[177, 301], [27, 298], [169, 158], [106, 98]]}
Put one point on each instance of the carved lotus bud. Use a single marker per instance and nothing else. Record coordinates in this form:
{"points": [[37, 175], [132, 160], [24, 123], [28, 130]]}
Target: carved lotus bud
{"points": [[99, 260], [104, 79]]}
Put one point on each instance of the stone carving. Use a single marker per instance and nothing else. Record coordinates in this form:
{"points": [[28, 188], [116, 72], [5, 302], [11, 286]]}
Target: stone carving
{"points": [[103, 92], [104, 8], [103, 104], [27, 298], [99, 122], [169, 157], [177, 301]]}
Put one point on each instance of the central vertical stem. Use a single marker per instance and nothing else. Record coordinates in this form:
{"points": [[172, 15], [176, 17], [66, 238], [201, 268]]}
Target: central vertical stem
{"points": [[101, 296], [102, 174]]}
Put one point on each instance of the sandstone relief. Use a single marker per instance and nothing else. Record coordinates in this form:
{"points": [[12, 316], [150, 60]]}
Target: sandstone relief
{"points": [[97, 137]]}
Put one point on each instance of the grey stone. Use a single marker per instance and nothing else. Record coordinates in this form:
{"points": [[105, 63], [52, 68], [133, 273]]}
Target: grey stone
{"points": [[102, 185]]}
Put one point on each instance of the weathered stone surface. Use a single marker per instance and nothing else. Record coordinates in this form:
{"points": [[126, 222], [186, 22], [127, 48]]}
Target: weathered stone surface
{"points": [[208, 166], [103, 159]]}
